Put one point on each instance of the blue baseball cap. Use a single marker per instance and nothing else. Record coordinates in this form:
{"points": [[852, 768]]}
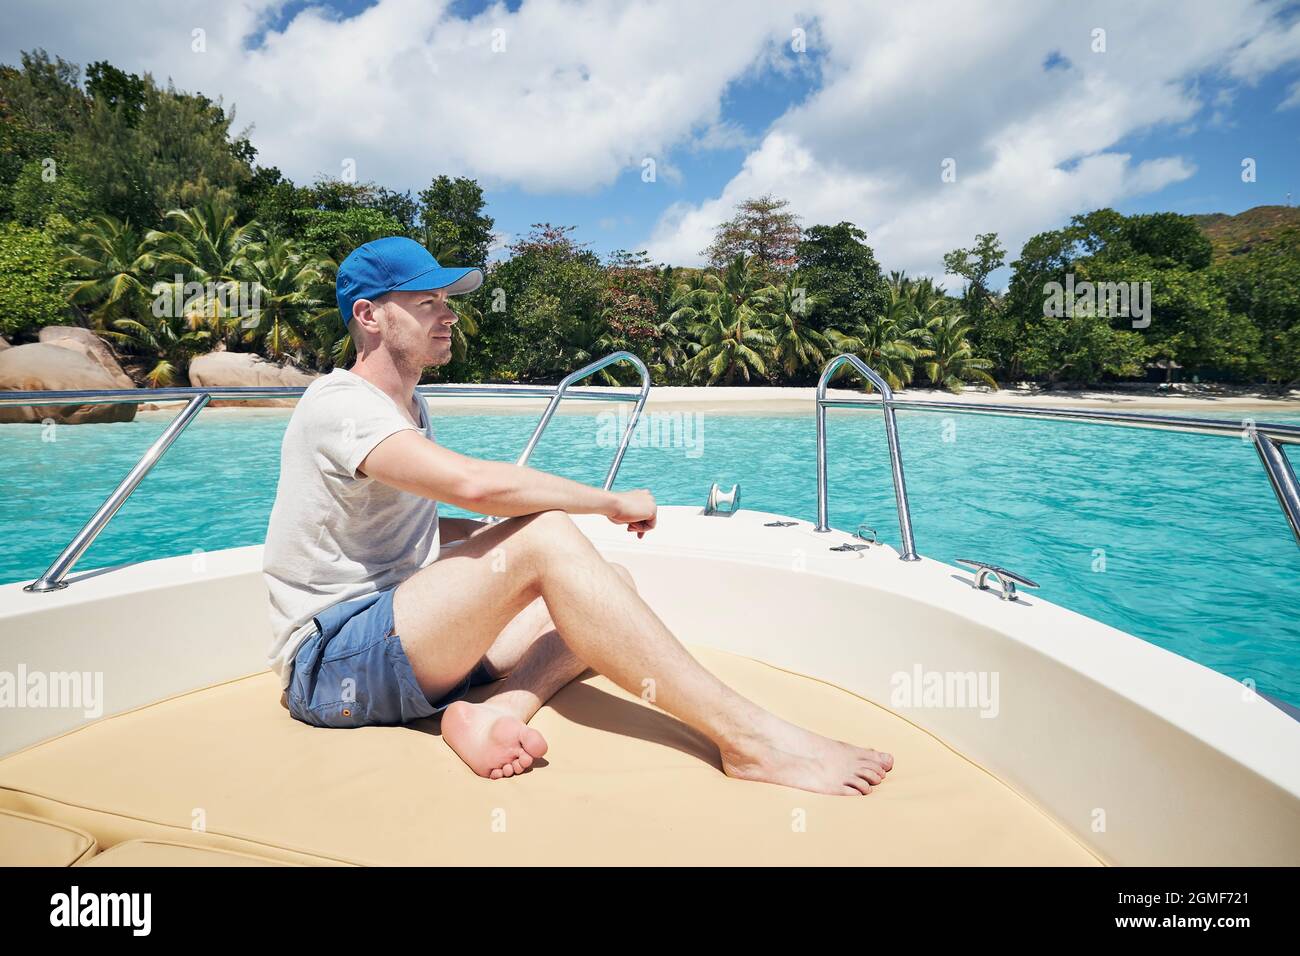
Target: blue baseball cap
{"points": [[396, 264]]}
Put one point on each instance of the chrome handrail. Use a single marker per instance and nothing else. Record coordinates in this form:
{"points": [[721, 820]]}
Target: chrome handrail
{"points": [[52, 579], [578, 376], [244, 393], [1283, 434], [891, 437], [1268, 439], [198, 398], [1281, 476]]}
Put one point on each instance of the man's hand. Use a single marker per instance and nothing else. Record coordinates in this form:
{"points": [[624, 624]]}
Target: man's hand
{"points": [[636, 509]]}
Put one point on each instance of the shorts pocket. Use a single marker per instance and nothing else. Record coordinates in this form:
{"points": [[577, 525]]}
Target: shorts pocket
{"points": [[340, 713]]}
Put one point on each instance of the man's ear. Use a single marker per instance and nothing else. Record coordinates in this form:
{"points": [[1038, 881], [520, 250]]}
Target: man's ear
{"points": [[363, 313]]}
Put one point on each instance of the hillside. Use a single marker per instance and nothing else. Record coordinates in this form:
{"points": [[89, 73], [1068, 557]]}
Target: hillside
{"points": [[1235, 235]]}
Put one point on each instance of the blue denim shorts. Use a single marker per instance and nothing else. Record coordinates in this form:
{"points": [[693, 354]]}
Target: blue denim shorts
{"points": [[352, 671]]}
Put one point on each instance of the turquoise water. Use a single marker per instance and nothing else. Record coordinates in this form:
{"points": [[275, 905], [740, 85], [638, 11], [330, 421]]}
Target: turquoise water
{"points": [[1175, 538]]}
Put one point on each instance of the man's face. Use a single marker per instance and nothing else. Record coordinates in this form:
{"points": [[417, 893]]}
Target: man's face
{"points": [[416, 327]]}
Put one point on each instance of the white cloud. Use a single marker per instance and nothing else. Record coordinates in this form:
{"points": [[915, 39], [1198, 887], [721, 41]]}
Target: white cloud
{"points": [[1267, 50], [724, 135], [566, 96], [902, 91], [551, 97]]}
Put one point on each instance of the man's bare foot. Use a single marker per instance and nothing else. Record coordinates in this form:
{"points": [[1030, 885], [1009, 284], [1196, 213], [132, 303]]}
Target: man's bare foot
{"points": [[492, 742], [794, 757]]}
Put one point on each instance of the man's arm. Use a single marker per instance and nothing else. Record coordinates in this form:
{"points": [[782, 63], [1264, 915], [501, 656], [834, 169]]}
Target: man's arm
{"points": [[411, 462]]}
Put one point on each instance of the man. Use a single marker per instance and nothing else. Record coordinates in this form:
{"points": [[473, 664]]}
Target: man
{"points": [[372, 627]]}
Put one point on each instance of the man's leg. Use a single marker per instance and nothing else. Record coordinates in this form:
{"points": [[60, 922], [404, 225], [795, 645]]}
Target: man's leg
{"points": [[514, 641], [539, 665], [493, 736], [527, 627], [450, 612]]}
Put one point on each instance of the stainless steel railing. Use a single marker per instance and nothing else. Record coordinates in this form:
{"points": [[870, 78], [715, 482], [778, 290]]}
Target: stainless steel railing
{"points": [[891, 438], [562, 389], [1267, 439], [578, 376], [197, 399]]}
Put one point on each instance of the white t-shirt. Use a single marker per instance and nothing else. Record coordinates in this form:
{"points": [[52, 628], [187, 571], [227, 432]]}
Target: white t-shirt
{"points": [[334, 536]]}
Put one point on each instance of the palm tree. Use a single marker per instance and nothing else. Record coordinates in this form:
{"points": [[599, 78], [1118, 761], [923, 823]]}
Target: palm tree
{"points": [[893, 357], [468, 317], [928, 302], [110, 266], [729, 343], [341, 350], [725, 317], [206, 245], [672, 331], [671, 349], [891, 343], [589, 339], [170, 340], [291, 294], [743, 279], [798, 345], [951, 362]]}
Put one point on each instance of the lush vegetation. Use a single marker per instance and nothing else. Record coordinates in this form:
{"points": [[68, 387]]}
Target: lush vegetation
{"points": [[117, 194]]}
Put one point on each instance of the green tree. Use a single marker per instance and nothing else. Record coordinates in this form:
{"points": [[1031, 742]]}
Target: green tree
{"points": [[975, 265], [951, 363], [272, 201], [41, 106], [591, 338], [206, 245], [842, 274], [451, 217], [891, 342], [176, 151], [336, 195], [166, 343], [43, 190], [120, 91], [1168, 240], [333, 234], [110, 268], [468, 318], [727, 321], [799, 350], [1165, 253], [537, 301], [31, 281], [1082, 349], [292, 296], [1263, 285]]}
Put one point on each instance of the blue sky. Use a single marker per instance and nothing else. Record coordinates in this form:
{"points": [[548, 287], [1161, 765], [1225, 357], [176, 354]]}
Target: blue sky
{"points": [[622, 215], [1251, 125], [848, 109]]}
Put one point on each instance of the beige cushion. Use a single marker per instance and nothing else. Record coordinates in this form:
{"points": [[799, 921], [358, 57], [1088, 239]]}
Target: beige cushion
{"points": [[623, 784], [26, 840], [161, 853]]}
